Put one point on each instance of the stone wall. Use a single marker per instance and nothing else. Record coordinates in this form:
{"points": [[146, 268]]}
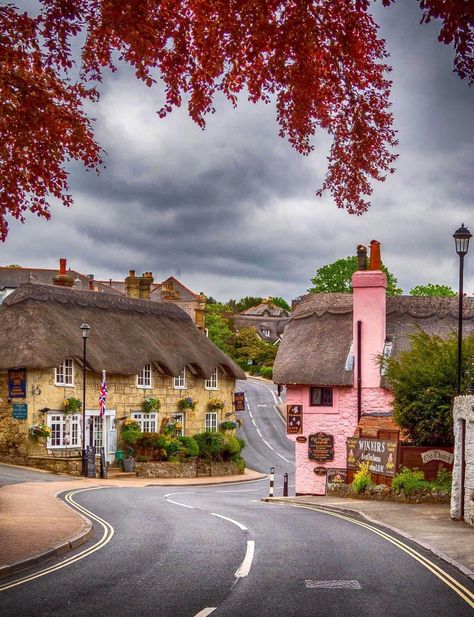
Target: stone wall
{"points": [[124, 398], [187, 469], [463, 412]]}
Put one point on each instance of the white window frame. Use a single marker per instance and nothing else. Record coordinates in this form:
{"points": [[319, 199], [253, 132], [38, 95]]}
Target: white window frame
{"points": [[210, 423], [70, 438], [64, 374], [266, 332], [211, 383], [179, 382], [179, 417], [148, 421], [144, 378]]}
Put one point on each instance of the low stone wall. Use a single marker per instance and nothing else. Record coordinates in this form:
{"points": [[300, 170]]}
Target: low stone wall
{"points": [[382, 492], [187, 469], [70, 466]]}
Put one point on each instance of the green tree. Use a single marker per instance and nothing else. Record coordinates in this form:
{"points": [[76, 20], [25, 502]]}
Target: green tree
{"points": [[423, 381], [219, 324], [337, 277], [249, 347], [281, 302], [431, 289], [245, 303]]}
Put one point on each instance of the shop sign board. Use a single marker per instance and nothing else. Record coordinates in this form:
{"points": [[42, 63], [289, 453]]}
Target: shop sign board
{"points": [[17, 383], [20, 411], [381, 453], [321, 447], [239, 401], [294, 419], [336, 476]]}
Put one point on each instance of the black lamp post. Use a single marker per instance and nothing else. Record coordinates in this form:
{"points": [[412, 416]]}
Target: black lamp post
{"points": [[461, 240], [85, 333]]}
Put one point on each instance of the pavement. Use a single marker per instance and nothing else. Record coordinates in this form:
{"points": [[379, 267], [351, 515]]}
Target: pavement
{"points": [[429, 525], [35, 525]]}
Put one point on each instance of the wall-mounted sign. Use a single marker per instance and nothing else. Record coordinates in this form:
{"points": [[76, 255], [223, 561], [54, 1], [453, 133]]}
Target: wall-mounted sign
{"points": [[20, 411], [336, 476], [301, 439], [381, 453], [320, 471], [437, 455], [294, 419], [17, 383], [321, 447], [239, 401]]}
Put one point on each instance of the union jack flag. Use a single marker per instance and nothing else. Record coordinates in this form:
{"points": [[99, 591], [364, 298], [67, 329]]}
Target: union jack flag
{"points": [[103, 396]]}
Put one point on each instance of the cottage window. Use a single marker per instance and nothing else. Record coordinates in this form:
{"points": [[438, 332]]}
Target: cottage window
{"points": [[180, 380], [211, 383], [147, 421], [64, 373], [321, 397], [179, 417], [266, 332], [387, 352], [211, 421], [65, 431], [144, 377]]}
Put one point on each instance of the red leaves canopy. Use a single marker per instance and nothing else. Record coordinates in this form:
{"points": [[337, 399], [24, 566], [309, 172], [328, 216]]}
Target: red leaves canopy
{"points": [[321, 61]]}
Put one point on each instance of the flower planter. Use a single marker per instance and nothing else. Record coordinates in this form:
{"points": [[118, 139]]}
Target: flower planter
{"points": [[128, 464]]}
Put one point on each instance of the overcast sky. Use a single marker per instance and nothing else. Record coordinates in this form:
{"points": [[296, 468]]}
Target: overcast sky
{"points": [[232, 211]]}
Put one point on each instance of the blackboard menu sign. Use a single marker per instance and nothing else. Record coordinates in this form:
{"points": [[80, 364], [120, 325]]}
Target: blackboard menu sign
{"points": [[294, 419], [103, 464], [321, 447], [239, 401], [90, 461]]}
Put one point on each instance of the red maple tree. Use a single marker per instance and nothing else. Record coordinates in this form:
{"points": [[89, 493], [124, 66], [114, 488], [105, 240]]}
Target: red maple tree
{"points": [[321, 61]]}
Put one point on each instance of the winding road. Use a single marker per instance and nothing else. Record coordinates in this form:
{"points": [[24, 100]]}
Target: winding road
{"points": [[220, 550]]}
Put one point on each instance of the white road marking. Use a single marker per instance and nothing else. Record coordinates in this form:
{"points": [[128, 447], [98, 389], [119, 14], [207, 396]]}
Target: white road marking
{"points": [[205, 611], [261, 405], [249, 490], [271, 447], [332, 584], [246, 564], [253, 422], [231, 520], [180, 493], [176, 503], [281, 456]]}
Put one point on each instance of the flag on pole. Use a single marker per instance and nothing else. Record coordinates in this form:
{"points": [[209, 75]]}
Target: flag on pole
{"points": [[103, 396]]}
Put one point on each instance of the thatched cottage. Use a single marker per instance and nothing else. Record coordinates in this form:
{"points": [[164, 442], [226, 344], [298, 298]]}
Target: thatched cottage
{"points": [[318, 361], [268, 320], [148, 350]]}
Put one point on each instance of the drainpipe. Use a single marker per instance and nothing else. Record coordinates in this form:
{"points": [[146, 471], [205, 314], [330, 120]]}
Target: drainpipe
{"points": [[359, 370]]}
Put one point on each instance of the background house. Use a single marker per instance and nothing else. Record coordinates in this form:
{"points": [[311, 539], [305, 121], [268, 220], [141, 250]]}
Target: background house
{"points": [[268, 319], [317, 360], [148, 349]]}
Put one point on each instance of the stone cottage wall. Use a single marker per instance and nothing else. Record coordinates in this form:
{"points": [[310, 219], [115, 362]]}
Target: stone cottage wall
{"points": [[463, 410]]}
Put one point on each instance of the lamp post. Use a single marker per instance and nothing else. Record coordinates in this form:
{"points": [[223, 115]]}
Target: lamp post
{"points": [[461, 240], [85, 333]]}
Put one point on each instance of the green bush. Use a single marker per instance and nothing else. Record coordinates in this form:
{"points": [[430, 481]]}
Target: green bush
{"points": [[172, 447], [210, 444], [242, 442], [231, 446], [409, 481], [130, 435], [266, 371], [152, 445], [362, 478], [236, 458], [189, 446], [443, 480]]}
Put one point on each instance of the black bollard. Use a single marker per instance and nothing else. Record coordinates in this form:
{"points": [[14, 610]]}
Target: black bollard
{"points": [[285, 485]]}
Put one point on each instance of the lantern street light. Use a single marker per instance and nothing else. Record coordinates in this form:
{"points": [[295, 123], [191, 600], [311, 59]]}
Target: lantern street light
{"points": [[461, 240], [85, 333]]}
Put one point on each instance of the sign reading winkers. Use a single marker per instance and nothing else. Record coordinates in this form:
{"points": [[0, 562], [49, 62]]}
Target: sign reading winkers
{"points": [[381, 453]]}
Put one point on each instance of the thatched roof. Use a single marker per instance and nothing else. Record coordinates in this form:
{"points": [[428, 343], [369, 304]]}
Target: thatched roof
{"points": [[266, 310], [317, 339], [40, 326]]}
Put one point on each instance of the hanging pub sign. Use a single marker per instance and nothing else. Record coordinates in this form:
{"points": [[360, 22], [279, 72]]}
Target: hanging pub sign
{"points": [[239, 401], [17, 383], [20, 411], [381, 453], [336, 476], [294, 419], [321, 447]]}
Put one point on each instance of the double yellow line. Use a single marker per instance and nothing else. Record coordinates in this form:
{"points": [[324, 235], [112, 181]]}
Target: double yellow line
{"points": [[108, 532], [456, 586]]}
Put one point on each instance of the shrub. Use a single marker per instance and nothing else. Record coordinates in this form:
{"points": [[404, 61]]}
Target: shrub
{"points": [[362, 478], [266, 371], [409, 481], [231, 446], [130, 431], [189, 446], [236, 458], [172, 447], [210, 444], [152, 445], [242, 442], [443, 480]]}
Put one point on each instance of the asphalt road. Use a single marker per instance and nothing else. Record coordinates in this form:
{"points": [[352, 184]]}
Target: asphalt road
{"points": [[197, 551]]}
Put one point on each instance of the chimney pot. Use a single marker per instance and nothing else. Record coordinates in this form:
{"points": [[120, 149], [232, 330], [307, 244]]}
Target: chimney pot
{"points": [[362, 257], [375, 262], [62, 266]]}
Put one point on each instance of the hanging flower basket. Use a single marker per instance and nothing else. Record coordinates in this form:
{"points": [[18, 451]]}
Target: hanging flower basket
{"points": [[187, 403], [151, 404], [39, 430], [72, 405], [215, 404]]}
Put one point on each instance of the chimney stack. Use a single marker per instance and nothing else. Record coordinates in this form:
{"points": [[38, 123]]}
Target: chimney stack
{"points": [[63, 279], [132, 286], [144, 285]]}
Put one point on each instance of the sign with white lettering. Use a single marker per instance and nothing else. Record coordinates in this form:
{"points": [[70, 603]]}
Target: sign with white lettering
{"points": [[321, 447], [381, 453], [294, 419], [437, 455]]}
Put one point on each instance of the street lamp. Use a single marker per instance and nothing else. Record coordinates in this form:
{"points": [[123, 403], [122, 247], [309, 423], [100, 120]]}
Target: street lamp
{"points": [[461, 240], [85, 333]]}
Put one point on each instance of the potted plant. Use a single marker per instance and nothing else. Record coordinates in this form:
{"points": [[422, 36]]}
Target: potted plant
{"points": [[215, 404], [187, 403], [129, 462], [39, 430], [72, 405], [151, 404]]}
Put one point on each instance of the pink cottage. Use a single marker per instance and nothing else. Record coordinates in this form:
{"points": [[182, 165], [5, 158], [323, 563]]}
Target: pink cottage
{"points": [[318, 361]]}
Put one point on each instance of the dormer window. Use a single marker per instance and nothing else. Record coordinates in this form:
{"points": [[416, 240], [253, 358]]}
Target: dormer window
{"points": [[266, 332], [144, 377], [387, 352], [349, 366], [180, 380], [211, 383], [64, 373]]}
